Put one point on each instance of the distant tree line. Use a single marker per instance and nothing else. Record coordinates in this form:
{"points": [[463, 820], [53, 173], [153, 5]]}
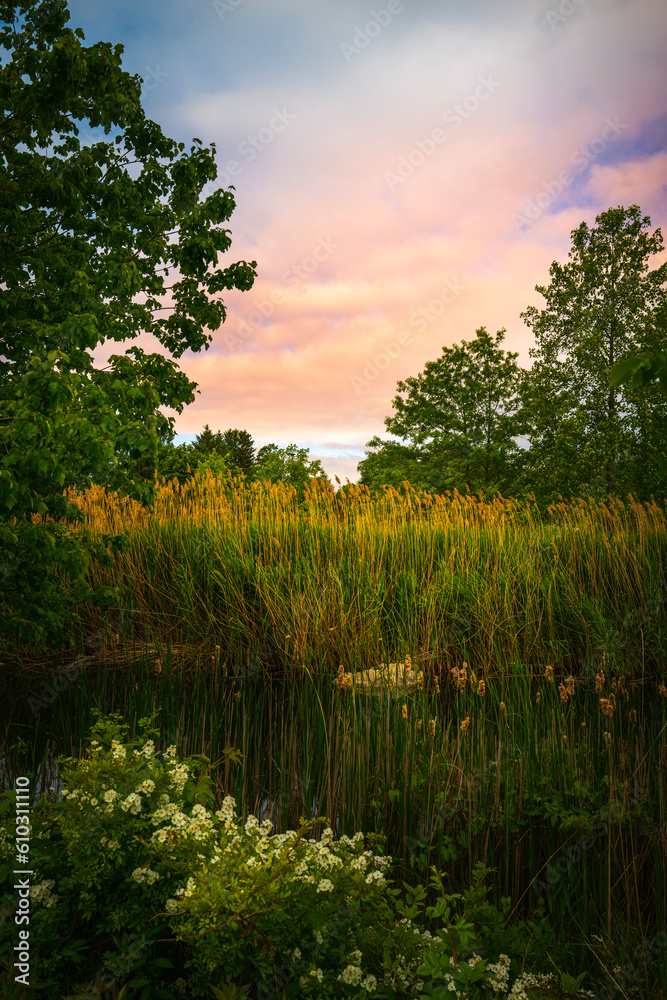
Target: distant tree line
{"points": [[229, 452]]}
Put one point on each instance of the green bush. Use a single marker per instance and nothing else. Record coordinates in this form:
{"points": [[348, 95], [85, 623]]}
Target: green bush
{"points": [[137, 882]]}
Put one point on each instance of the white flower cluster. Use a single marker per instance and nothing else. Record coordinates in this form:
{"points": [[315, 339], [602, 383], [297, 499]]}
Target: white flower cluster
{"points": [[352, 975], [319, 856], [145, 875], [42, 893], [112, 845], [146, 787], [518, 991], [198, 825], [172, 904], [132, 802], [179, 776]]}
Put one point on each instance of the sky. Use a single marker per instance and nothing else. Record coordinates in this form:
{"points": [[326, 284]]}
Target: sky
{"points": [[404, 172]]}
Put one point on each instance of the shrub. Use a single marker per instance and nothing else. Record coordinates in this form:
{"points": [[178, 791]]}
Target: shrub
{"points": [[137, 881]]}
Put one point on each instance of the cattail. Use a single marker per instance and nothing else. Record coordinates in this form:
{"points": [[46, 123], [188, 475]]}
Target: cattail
{"points": [[431, 727], [481, 688], [662, 691], [607, 738], [158, 666], [633, 717], [563, 694], [565, 738], [549, 673], [607, 707], [502, 707], [599, 681], [463, 677], [614, 684], [238, 695], [473, 679], [343, 681], [465, 725], [455, 674], [538, 698], [404, 711], [419, 724], [570, 685]]}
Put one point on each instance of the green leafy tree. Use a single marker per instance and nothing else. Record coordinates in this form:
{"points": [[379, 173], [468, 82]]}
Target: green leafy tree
{"points": [[463, 407], [173, 462], [645, 379], [391, 463], [639, 370], [80, 239], [603, 303], [287, 465]]}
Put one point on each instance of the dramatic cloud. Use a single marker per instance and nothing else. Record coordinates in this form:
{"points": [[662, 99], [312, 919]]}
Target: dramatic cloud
{"points": [[404, 174]]}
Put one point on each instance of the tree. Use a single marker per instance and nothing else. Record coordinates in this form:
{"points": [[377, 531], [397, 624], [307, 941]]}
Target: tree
{"points": [[391, 464], [210, 451], [79, 239], [599, 306], [240, 448], [640, 370], [464, 403], [287, 465]]}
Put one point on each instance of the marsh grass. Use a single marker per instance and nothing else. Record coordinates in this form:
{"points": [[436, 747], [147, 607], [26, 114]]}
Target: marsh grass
{"points": [[539, 718]]}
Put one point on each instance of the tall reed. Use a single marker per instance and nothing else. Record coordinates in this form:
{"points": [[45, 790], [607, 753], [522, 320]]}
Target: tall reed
{"points": [[535, 741]]}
